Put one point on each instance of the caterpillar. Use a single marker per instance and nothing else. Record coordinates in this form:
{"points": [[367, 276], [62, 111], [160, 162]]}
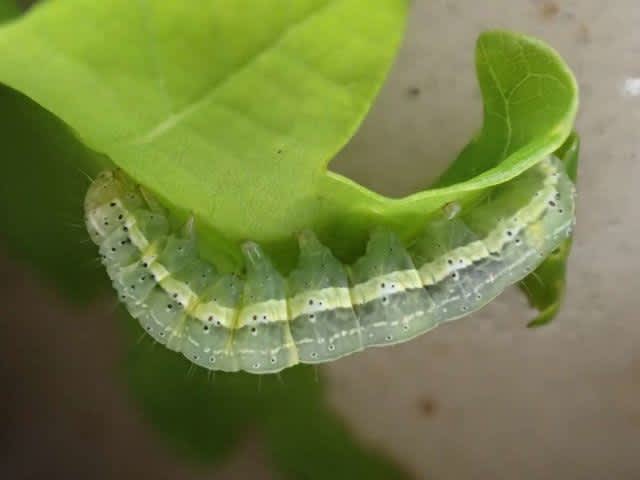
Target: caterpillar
{"points": [[262, 322]]}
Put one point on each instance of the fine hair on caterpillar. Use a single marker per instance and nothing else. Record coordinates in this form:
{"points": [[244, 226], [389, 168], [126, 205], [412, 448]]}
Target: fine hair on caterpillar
{"points": [[263, 322]]}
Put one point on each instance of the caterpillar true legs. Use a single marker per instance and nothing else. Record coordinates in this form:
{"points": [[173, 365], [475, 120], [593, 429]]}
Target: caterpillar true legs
{"points": [[323, 310]]}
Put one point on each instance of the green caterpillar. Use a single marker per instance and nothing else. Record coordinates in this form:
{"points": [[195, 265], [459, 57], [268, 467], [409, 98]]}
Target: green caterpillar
{"points": [[263, 322]]}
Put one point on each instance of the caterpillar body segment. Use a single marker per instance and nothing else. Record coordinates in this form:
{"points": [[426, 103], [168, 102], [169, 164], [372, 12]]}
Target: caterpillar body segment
{"points": [[262, 322]]}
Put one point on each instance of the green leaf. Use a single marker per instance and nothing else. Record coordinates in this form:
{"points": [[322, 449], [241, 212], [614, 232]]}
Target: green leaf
{"points": [[42, 190], [545, 288], [307, 440], [530, 101], [205, 415], [201, 416], [8, 10], [241, 134], [241, 103]]}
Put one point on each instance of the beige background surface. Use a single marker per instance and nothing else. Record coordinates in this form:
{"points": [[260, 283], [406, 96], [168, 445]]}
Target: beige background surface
{"points": [[504, 401], [481, 398]]}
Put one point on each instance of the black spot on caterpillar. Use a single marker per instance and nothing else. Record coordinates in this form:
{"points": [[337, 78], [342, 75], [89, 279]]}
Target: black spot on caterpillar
{"points": [[263, 322]]}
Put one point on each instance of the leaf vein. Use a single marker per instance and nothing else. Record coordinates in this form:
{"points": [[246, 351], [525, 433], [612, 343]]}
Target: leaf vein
{"points": [[174, 119]]}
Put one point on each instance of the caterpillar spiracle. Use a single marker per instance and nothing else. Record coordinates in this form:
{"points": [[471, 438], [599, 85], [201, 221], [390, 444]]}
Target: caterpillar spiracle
{"points": [[262, 322]]}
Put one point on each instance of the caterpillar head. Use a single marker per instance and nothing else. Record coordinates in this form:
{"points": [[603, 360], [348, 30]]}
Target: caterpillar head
{"points": [[105, 203]]}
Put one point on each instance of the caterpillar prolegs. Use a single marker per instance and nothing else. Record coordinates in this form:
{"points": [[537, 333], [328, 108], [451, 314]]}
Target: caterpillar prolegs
{"points": [[263, 322]]}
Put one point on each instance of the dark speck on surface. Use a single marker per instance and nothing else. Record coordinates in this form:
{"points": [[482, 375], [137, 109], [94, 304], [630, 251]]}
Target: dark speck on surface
{"points": [[427, 406], [413, 92], [584, 34], [549, 10]]}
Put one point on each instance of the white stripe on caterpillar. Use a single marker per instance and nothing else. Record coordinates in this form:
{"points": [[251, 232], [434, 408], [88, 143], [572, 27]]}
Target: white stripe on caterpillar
{"points": [[324, 310]]}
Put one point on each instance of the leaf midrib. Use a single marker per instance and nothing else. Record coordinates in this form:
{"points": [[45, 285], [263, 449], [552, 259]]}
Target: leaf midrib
{"points": [[174, 119]]}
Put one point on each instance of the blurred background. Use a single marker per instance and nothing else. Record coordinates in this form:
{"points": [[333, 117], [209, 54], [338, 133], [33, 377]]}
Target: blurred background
{"points": [[480, 398]]}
